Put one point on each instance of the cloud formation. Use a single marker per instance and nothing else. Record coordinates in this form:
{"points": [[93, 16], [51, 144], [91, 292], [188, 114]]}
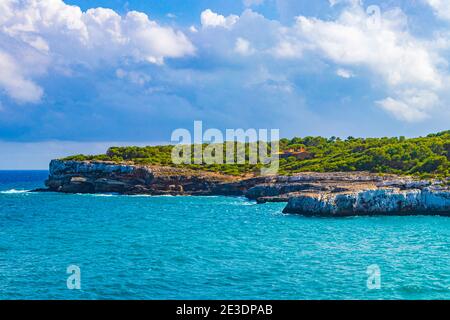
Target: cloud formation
{"points": [[441, 8], [344, 73], [63, 36], [411, 106], [212, 19], [376, 41], [384, 47], [98, 74], [243, 47], [14, 82]]}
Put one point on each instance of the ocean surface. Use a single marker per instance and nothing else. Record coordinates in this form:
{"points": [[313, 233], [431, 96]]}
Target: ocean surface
{"points": [[139, 247]]}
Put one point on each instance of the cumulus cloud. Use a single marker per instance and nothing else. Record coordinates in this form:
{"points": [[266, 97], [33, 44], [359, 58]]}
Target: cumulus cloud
{"points": [[344, 73], [288, 49], [211, 19], [441, 8], [389, 50], [411, 106], [109, 59], [243, 47], [15, 84], [386, 49], [68, 36], [356, 39], [222, 42]]}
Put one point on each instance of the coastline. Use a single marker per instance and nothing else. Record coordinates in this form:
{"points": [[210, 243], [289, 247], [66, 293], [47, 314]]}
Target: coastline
{"points": [[332, 194]]}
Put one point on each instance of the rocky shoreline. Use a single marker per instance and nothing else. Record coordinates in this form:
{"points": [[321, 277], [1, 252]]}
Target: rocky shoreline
{"points": [[311, 194]]}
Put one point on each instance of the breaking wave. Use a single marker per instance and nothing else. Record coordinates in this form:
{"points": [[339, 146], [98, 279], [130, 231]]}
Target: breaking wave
{"points": [[14, 191]]}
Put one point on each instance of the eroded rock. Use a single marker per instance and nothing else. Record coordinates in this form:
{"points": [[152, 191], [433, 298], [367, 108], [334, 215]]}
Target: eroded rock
{"points": [[387, 201], [319, 194]]}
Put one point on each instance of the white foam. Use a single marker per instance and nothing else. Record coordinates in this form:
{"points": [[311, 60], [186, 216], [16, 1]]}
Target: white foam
{"points": [[247, 204], [14, 191], [97, 194]]}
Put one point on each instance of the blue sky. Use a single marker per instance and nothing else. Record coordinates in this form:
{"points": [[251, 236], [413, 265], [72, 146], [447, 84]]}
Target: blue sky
{"points": [[78, 76]]}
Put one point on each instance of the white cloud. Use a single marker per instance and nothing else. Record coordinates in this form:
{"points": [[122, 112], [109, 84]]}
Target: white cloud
{"points": [[397, 60], [401, 110], [211, 19], [388, 51], [243, 47], [402, 61], [49, 36], [65, 36], [441, 8], [14, 83], [222, 42], [152, 42], [344, 73], [288, 49], [411, 105]]}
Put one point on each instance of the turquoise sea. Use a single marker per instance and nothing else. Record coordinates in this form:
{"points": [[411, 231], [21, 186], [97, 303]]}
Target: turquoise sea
{"points": [[138, 247]]}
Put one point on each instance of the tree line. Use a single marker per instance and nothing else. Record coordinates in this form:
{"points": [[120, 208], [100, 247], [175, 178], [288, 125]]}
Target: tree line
{"points": [[423, 156]]}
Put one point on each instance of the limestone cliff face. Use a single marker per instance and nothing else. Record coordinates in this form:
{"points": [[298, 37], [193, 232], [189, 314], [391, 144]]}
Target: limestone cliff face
{"points": [[387, 201], [94, 177], [318, 194], [103, 177]]}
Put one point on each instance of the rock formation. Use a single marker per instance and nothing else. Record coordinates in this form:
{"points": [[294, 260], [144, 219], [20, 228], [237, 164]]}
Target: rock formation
{"points": [[319, 194], [387, 201]]}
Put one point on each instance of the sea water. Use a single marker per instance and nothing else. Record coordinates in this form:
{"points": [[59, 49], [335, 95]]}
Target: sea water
{"points": [[140, 247]]}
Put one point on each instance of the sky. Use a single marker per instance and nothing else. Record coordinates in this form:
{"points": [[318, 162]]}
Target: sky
{"points": [[78, 76]]}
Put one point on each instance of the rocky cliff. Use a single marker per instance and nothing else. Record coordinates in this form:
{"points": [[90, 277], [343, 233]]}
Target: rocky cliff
{"points": [[322, 194], [103, 177], [430, 201]]}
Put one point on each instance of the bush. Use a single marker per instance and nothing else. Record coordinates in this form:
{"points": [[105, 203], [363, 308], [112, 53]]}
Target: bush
{"points": [[424, 156]]}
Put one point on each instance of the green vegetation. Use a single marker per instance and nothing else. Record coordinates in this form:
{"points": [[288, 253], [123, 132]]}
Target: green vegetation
{"points": [[425, 156]]}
